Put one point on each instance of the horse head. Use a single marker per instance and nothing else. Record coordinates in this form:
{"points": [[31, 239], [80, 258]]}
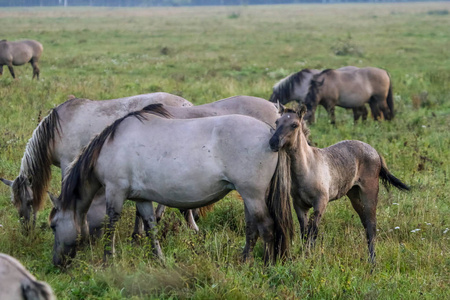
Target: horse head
{"points": [[66, 225], [287, 128], [22, 198], [312, 99]]}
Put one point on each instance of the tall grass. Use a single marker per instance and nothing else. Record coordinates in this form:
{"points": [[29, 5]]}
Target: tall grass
{"points": [[205, 54]]}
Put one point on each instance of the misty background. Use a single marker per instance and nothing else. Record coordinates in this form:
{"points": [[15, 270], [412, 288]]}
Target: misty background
{"points": [[146, 3]]}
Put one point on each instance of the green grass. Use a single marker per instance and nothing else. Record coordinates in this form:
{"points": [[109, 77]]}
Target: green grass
{"points": [[205, 54]]}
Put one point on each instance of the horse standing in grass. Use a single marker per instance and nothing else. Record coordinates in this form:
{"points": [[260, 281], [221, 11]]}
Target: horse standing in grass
{"points": [[351, 168], [296, 86], [180, 163], [58, 139], [19, 53], [351, 87]]}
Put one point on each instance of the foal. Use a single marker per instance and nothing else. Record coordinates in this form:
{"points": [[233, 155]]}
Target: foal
{"points": [[351, 168]]}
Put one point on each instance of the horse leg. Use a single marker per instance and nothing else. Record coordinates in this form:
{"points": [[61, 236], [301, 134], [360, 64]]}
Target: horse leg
{"points": [[148, 216], [36, 70], [382, 104], [189, 217], [364, 113], [1, 70], [138, 226], [258, 212], [11, 70], [364, 203], [302, 216], [374, 109], [313, 226], [160, 212], [251, 234], [114, 205]]}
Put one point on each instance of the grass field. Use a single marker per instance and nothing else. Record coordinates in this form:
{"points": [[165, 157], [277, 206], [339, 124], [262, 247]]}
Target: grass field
{"points": [[205, 54]]}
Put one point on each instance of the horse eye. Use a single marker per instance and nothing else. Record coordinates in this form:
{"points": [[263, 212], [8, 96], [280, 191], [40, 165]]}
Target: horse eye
{"points": [[295, 125]]}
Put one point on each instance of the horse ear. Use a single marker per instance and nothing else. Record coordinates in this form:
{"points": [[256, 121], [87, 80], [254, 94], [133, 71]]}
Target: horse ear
{"points": [[302, 111], [54, 199], [6, 181], [280, 107]]}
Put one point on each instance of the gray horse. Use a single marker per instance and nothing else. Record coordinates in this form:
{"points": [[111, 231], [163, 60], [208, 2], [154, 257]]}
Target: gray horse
{"points": [[19, 53], [351, 87], [16, 283], [58, 140], [351, 168], [179, 163], [296, 87]]}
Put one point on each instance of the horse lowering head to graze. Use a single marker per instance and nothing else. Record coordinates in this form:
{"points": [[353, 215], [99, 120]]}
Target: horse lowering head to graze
{"points": [[351, 87], [293, 87], [16, 283], [186, 164], [19, 53], [58, 139], [351, 168]]}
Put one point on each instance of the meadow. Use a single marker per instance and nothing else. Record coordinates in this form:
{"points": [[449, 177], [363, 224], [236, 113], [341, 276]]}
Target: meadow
{"points": [[209, 53]]}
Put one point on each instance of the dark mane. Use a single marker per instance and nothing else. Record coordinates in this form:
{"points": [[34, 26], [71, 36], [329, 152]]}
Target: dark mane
{"points": [[83, 166], [158, 110], [282, 90], [313, 86], [37, 160]]}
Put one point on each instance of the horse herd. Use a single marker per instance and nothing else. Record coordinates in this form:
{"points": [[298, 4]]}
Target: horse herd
{"points": [[160, 148]]}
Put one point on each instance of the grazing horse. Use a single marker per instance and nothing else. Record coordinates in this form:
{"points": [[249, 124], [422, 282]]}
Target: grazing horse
{"points": [[351, 87], [351, 168], [58, 139], [179, 163], [19, 53], [296, 86], [17, 283], [293, 87]]}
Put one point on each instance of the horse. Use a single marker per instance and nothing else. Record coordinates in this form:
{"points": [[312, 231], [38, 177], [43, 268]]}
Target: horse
{"points": [[17, 283], [295, 87], [255, 107], [186, 164], [19, 53], [351, 87], [351, 168], [58, 139]]}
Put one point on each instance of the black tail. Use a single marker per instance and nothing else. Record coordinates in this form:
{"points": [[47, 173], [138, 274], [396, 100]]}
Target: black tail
{"points": [[388, 179], [278, 203], [390, 100]]}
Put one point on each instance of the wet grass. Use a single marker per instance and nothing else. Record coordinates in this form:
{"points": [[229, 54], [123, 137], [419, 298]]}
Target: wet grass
{"points": [[205, 54]]}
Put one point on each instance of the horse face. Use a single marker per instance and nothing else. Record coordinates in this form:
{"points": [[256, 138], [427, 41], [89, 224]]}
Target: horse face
{"points": [[286, 131], [66, 232], [21, 198]]}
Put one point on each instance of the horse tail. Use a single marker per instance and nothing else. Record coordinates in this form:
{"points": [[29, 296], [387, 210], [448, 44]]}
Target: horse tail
{"points": [[37, 159], [278, 203], [390, 99], [202, 211], [388, 179]]}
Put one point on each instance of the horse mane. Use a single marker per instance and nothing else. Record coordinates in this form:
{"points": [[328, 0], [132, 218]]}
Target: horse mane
{"points": [[284, 87], [83, 166], [37, 160]]}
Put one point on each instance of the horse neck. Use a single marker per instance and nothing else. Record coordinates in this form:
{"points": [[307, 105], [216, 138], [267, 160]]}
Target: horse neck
{"points": [[301, 155], [37, 158]]}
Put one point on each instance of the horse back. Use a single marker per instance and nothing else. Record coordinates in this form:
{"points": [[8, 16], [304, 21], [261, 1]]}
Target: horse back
{"points": [[205, 157], [349, 163]]}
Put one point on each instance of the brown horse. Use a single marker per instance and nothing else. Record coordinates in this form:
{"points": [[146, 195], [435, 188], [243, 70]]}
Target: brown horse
{"points": [[19, 53], [351, 168], [351, 87]]}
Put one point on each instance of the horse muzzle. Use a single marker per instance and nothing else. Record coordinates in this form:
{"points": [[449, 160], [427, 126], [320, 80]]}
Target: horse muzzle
{"points": [[274, 144]]}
